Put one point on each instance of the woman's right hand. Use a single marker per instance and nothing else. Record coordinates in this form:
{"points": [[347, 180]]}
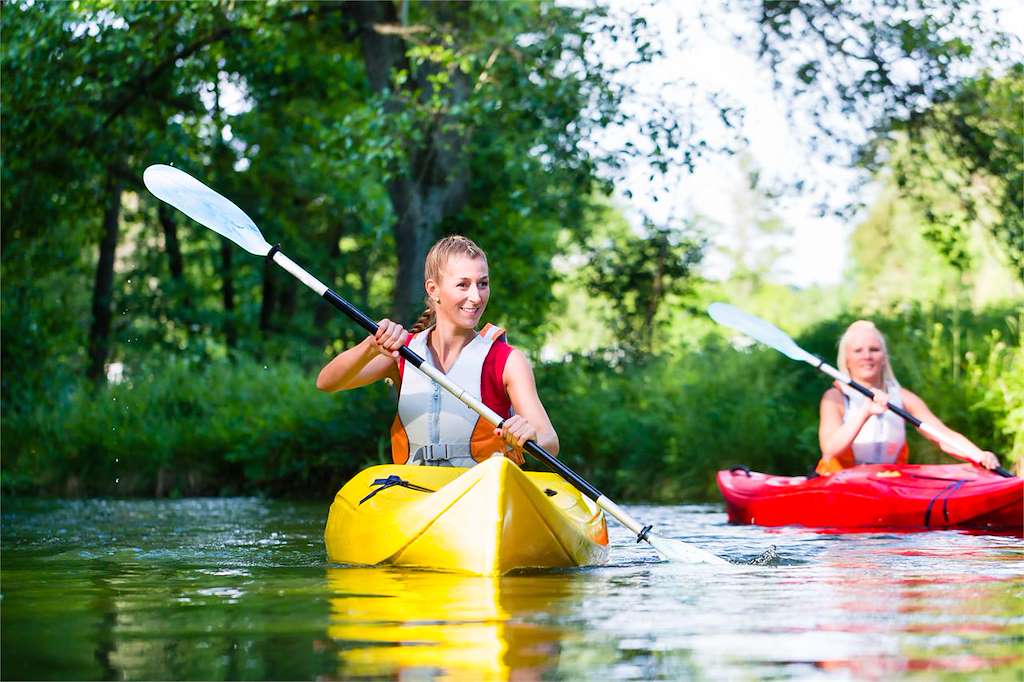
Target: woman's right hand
{"points": [[876, 406], [390, 337], [879, 404]]}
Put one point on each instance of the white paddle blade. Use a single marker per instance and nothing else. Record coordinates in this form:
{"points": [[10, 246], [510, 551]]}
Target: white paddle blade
{"points": [[759, 330], [680, 552], [206, 207]]}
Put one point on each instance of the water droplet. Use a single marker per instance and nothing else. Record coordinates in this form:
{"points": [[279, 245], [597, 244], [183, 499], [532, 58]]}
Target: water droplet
{"points": [[117, 481], [116, 460]]}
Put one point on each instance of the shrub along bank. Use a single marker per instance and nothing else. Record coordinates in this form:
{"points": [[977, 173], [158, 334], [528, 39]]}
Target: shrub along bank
{"points": [[652, 429]]}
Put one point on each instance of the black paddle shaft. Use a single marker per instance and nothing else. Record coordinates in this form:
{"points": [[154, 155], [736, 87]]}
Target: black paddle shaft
{"points": [[534, 448], [909, 417]]}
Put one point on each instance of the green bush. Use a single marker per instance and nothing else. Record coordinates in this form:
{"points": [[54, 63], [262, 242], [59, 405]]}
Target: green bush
{"points": [[658, 429], [655, 428], [189, 429]]}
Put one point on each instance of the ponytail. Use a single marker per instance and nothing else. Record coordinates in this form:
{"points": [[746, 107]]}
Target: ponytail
{"points": [[426, 318]]}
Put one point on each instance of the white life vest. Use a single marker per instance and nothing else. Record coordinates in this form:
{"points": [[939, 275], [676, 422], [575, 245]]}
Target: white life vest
{"points": [[883, 437], [432, 426]]}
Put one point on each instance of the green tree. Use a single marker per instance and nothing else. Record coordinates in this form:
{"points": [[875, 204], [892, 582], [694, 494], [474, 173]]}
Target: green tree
{"points": [[930, 89], [634, 274], [963, 166]]}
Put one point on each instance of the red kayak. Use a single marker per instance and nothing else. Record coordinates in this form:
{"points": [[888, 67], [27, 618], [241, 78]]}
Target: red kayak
{"points": [[903, 496]]}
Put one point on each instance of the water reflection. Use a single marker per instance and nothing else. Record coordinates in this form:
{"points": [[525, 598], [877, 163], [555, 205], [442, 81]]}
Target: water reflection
{"points": [[239, 589], [894, 605], [447, 626]]}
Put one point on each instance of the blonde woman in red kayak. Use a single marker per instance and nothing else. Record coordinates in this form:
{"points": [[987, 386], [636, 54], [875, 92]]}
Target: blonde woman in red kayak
{"points": [[855, 430], [433, 427]]}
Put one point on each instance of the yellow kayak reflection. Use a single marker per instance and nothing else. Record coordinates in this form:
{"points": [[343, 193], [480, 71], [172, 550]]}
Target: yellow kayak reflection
{"points": [[488, 520], [390, 622]]}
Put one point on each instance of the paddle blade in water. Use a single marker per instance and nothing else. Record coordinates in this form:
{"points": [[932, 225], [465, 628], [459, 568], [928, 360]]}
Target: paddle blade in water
{"points": [[679, 551], [759, 330], [203, 205]]}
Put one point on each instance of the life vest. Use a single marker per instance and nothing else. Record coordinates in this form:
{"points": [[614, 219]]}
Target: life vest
{"points": [[881, 440], [435, 428]]}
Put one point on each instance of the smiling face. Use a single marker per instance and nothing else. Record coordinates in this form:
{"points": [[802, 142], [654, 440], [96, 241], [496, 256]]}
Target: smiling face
{"points": [[865, 355], [463, 289]]}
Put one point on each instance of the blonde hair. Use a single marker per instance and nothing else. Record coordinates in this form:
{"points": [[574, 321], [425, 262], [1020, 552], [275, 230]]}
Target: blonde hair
{"points": [[888, 378], [437, 259]]}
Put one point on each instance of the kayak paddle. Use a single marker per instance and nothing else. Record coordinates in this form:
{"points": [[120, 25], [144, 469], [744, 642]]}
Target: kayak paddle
{"points": [[770, 335], [212, 210]]}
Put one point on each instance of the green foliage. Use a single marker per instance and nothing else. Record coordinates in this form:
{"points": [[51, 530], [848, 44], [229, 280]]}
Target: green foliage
{"points": [[966, 366], [653, 428], [195, 429], [660, 428], [895, 262], [482, 118], [636, 274], [962, 165]]}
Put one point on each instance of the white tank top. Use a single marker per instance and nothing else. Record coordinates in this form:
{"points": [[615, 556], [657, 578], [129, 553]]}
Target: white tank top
{"points": [[883, 436]]}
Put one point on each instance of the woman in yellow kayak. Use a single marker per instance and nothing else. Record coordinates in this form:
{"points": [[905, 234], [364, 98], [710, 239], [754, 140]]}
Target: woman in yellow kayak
{"points": [[433, 427], [854, 430]]}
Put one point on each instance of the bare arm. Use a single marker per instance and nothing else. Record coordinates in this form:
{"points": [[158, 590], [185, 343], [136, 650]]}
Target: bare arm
{"points": [[373, 359], [962, 445], [531, 421], [835, 436]]}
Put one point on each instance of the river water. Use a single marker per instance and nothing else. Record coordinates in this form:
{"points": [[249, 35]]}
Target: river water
{"points": [[240, 589]]}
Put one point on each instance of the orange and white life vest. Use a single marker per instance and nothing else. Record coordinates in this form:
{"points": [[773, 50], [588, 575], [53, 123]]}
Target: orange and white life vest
{"points": [[883, 437], [435, 428], [881, 440]]}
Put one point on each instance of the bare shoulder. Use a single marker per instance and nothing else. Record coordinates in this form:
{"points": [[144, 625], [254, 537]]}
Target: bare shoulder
{"points": [[518, 374], [833, 396], [516, 364], [911, 400]]}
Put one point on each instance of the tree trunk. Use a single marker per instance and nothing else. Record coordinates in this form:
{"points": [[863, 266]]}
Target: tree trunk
{"points": [[657, 285], [269, 296], [324, 311], [228, 293], [171, 244], [435, 183], [288, 298], [99, 331]]}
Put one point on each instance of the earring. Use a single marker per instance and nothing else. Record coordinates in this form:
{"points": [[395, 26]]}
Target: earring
{"points": [[437, 300]]}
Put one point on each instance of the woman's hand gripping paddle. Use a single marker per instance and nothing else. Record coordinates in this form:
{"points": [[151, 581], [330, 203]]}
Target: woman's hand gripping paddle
{"points": [[212, 210], [770, 335]]}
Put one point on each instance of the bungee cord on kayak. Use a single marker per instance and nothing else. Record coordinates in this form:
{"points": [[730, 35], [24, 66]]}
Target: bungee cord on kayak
{"points": [[382, 484]]}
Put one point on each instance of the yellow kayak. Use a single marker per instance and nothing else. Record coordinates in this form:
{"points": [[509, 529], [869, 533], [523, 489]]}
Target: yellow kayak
{"points": [[394, 624], [487, 520]]}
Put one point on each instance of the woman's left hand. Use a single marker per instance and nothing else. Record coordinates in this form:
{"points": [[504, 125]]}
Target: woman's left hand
{"points": [[988, 460], [515, 431]]}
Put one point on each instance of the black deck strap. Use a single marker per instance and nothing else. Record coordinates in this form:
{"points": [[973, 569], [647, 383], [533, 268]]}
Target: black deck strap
{"points": [[928, 512], [391, 481], [642, 535], [273, 249], [740, 467], [945, 500]]}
